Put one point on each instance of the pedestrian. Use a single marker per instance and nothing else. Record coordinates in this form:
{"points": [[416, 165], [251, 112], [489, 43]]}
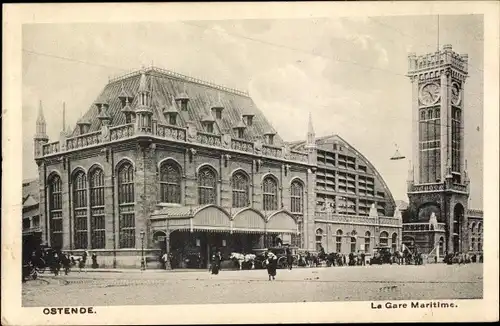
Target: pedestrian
{"points": [[216, 260], [164, 259], [363, 262], [271, 264], [82, 262], [289, 258], [344, 260], [94, 261]]}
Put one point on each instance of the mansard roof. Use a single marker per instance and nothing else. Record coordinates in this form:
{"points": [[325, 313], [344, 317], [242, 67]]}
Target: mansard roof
{"points": [[202, 95]]}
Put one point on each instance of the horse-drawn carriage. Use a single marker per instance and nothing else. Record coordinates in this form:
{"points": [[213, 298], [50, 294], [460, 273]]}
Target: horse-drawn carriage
{"points": [[381, 255], [280, 252]]}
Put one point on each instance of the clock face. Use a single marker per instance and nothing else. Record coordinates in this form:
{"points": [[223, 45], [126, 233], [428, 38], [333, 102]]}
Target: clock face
{"points": [[455, 94], [429, 94]]}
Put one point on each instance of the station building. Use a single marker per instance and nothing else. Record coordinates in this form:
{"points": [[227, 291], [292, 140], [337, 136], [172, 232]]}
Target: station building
{"points": [[165, 162]]}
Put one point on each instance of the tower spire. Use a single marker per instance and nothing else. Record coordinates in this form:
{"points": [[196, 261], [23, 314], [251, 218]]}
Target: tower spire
{"points": [[311, 136], [41, 125], [64, 117]]}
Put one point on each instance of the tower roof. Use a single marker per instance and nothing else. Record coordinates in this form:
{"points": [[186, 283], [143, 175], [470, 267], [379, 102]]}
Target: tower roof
{"points": [[310, 127], [40, 119]]}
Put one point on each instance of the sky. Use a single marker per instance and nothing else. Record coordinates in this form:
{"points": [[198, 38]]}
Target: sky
{"points": [[349, 73]]}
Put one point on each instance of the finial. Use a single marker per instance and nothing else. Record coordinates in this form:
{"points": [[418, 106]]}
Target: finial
{"points": [[41, 118]]}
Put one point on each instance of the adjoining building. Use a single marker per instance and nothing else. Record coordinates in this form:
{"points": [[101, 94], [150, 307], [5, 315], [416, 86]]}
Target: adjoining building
{"points": [[354, 209], [439, 219], [31, 223], [165, 162]]}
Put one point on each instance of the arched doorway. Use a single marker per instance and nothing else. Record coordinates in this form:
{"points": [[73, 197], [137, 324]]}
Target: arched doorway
{"points": [[159, 240], [458, 216]]}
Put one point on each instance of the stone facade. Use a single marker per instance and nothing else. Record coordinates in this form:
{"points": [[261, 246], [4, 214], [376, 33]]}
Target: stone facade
{"points": [[438, 184], [154, 117]]}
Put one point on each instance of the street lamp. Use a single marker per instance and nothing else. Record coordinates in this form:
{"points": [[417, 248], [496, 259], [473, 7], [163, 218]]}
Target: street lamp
{"points": [[143, 264]]}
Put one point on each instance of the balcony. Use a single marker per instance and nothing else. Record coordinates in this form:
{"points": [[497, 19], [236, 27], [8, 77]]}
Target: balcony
{"points": [[84, 140], [121, 132], [242, 145], [268, 150], [171, 132], [428, 187], [51, 148], [423, 227], [209, 139]]}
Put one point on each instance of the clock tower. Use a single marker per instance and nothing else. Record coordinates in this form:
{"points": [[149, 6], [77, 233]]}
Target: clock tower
{"points": [[438, 185]]}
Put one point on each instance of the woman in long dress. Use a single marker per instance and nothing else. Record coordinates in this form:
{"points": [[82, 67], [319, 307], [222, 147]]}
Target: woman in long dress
{"points": [[271, 264], [216, 259]]}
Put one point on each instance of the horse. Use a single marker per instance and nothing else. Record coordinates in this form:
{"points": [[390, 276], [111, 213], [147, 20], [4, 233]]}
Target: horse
{"points": [[242, 258], [398, 257]]}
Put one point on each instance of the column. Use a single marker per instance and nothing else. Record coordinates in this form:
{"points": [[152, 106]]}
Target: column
{"points": [[190, 185], [66, 214], [226, 189], [445, 121]]}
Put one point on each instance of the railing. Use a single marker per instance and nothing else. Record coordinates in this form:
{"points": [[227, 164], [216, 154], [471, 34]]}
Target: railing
{"points": [[50, 148], [83, 140], [329, 216], [209, 139], [120, 132], [423, 227], [298, 156], [389, 220], [271, 151], [242, 145], [171, 132], [426, 187], [458, 187]]}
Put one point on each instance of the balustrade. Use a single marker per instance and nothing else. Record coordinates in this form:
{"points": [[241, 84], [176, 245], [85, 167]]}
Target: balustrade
{"points": [[298, 156], [208, 139], [171, 132], [83, 140], [51, 148], [271, 151], [120, 132], [242, 145]]}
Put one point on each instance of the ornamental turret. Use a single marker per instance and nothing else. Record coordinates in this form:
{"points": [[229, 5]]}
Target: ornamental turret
{"points": [[40, 137], [144, 111], [103, 115], [171, 113], [311, 142]]}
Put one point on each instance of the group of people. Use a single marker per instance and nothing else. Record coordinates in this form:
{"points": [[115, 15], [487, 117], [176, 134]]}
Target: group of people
{"points": [[54, 259], [462, 258]]}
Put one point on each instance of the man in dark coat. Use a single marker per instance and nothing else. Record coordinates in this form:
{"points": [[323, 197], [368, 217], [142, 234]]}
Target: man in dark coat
{"points": [[271, 264], [363, 262], [216, 260]]}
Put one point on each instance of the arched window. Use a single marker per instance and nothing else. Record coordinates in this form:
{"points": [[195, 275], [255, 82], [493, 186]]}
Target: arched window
{"points": [[338, 241], [126, 207], [429, 114], [55, 212], [240, 182], [270, 193], [319, 239], [394, 242], [367, 241], [471, 230], [422, 115], [207, 186], [170, 183], [80, 210], [297, 197], [97, 221], [384, 238], [473, 244], [353, 244]]}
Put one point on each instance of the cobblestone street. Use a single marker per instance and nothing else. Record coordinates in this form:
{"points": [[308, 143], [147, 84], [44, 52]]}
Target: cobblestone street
{"points": [[158, 287]]}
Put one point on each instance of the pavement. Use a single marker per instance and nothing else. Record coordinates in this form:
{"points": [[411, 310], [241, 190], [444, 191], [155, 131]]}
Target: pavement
{"points": [[160, 287]]}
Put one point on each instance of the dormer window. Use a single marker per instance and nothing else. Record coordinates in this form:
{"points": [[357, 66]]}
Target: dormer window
{"points": [[270, 139], [241, 133], [218, 114], [249, 120], [172, 119], [184, 105], [209, 127], [128, 118]]}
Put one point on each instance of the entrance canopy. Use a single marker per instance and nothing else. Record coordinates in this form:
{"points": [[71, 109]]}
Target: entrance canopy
{"points": [[214, 218]]}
